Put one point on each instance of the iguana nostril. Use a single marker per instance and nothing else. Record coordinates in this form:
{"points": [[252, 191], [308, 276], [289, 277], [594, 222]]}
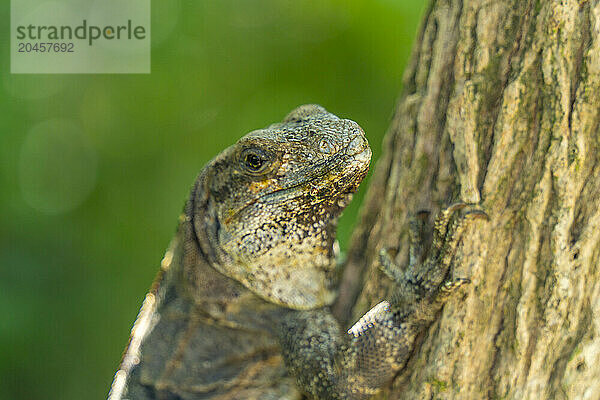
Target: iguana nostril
{"points": [[326, 147], [357, 145]]}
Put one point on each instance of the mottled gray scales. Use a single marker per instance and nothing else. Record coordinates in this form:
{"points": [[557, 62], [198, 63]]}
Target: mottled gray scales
{"points": [[240, 309]]}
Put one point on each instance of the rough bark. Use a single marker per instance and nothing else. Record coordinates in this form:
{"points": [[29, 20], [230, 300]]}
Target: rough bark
{"points": [[501, 104]]}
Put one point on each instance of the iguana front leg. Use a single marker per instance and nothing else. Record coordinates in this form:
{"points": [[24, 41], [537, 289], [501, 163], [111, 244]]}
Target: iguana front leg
{"points": [[330, 364]]}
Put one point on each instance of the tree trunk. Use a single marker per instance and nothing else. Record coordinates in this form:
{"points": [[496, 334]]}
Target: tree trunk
{"points": [[501, 106]]}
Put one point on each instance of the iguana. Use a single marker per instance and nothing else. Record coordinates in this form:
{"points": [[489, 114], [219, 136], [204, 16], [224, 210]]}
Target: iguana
{"points": [[240, 308]]}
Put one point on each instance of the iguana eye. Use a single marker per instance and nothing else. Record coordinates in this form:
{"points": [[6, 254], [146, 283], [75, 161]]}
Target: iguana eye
{"points": [[254, 161]]}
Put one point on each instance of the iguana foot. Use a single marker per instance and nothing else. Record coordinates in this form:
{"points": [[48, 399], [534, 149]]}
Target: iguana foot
{"points": [[430, 277]]}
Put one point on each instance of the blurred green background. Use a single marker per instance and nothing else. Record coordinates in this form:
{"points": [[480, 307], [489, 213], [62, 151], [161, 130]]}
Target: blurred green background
{"points": [[94, 169]]}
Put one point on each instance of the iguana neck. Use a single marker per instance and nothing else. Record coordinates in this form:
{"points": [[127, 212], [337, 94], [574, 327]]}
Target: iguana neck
{"points": [[306, 277]]}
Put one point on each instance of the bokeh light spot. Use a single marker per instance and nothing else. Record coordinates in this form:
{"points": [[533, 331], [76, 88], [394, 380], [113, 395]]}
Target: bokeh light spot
{"points": [[57, 169]]}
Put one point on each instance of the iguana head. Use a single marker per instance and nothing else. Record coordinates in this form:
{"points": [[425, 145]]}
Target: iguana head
{"points": [[264, 211]]}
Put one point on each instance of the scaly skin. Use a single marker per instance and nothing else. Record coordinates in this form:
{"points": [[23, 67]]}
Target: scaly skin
{"points": [[240, 307]]}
